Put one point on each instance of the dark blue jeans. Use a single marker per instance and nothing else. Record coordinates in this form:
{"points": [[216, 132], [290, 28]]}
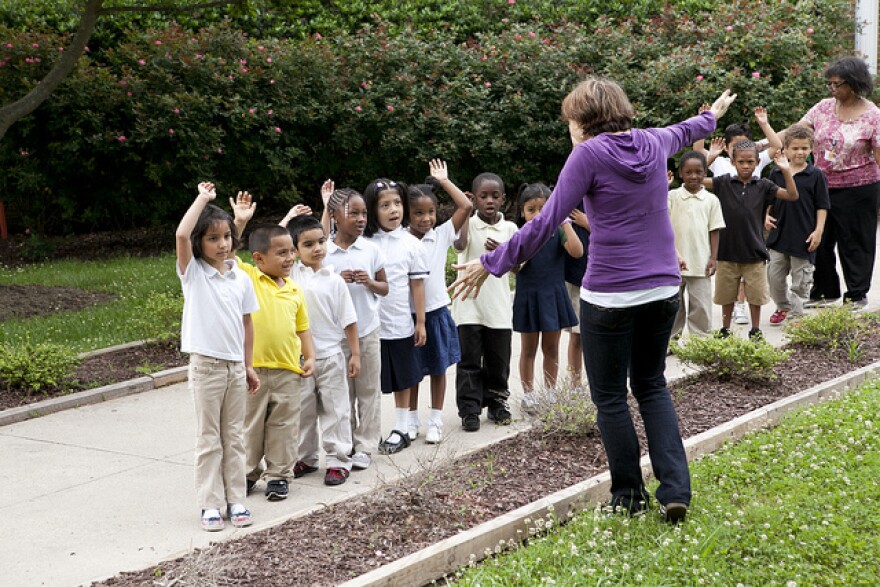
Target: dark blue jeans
{"points": [[632, 341]]}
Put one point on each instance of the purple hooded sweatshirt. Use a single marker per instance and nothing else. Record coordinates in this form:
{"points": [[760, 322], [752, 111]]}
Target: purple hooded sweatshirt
{"points": [[621, 179]]}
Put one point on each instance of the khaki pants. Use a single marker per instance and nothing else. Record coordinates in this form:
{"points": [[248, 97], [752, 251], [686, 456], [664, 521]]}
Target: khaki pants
{"points": [[218, 388], [325, 403], [698, 311], [364, 395], [801, 271], [272, 425]]}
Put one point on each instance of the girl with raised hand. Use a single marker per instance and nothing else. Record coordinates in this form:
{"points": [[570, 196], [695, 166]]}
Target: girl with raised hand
{"points": [[442, 348]]}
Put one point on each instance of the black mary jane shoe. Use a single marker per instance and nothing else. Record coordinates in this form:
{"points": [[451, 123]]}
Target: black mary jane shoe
{"points": [[390, 448]]}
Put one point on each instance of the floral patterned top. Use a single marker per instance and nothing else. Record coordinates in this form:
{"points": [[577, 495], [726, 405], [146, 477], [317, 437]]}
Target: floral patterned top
{"points": [[844, 150]]}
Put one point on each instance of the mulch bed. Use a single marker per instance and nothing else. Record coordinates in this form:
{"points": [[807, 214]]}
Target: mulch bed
{"points": [[348, 539], [25, 301]]}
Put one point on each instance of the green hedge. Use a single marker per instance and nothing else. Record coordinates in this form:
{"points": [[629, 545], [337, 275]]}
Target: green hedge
{"points": [[126, 139]]}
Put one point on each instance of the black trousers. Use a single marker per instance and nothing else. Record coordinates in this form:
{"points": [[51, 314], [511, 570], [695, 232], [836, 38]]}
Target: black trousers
{"points": [[852, 228], [481, 375]]}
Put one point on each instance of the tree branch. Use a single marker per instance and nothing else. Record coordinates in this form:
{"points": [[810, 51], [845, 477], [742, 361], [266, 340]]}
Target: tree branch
{"points": [[167, 8]]}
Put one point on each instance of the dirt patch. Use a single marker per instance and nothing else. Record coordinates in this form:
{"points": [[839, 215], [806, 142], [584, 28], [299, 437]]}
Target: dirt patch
{"points": [[105, 369], [348, 539], [26, 301]]}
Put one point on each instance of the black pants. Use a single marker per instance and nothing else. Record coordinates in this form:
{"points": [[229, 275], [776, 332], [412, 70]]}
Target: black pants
{"points": [[851, 227], [481, 375]]}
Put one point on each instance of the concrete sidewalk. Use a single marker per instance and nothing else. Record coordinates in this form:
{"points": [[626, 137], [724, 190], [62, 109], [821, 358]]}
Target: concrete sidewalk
{"points": [[105, 488]]}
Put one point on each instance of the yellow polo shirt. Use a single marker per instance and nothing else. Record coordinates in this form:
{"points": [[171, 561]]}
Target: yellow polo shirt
{"points": [[282, 314]]}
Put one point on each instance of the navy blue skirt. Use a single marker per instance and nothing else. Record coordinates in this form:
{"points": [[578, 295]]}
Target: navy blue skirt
{"points": [[442, 348], [400, 364]]}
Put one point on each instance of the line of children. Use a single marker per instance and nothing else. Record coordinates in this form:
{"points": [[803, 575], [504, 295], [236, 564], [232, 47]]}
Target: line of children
{"points": [[541, 306]]}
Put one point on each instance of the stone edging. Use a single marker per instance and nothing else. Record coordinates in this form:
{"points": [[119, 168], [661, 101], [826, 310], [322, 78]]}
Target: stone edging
{"points": [[93, 396], [441, 559]]}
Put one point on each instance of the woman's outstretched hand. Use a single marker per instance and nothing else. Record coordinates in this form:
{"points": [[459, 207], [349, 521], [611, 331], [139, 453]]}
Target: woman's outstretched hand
{"points": [[470, 279], [720, 106]]}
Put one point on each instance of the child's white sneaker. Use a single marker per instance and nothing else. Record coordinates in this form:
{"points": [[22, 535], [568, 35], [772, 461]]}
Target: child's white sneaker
{"points": [[740, 316], [239, 516], [360, 460], [529, 404], [211, 521], [412, 428], [435, 433]]}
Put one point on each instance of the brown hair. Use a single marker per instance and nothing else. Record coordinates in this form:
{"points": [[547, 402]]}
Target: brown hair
{"points": [[598, 105], [798, 131]]}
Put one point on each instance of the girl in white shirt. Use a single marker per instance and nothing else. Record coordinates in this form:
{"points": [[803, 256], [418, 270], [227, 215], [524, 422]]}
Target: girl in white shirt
{"points": [[406, 270], [442, 348]]}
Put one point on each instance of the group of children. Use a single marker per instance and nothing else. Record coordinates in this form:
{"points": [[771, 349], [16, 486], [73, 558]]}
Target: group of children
{"points": [[751, 233], [335, 312]]}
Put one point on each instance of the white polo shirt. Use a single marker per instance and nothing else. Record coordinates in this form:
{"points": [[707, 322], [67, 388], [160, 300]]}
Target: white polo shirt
{"points": [[365, 255], [404, 260], [213, 306], [436, 243], [329, 306]]}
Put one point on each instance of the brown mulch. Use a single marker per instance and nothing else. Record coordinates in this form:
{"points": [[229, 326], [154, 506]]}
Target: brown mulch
{"points": [[25, 301], [347, 539]]}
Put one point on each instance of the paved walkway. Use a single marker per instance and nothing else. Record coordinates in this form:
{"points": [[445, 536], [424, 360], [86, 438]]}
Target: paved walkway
{"points": [[96, 490]]}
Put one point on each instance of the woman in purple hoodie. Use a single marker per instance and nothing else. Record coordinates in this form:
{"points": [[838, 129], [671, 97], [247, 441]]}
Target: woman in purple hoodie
{"points": [[629, 294]]}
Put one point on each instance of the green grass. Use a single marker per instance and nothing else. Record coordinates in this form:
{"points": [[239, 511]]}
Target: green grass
{"points": [[793, 506], [115, 322]]}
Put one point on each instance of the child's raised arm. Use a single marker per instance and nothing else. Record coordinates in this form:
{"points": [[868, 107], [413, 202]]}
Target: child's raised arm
{"points": [[183, 236], [789, 192], [463, 205], [326, 191], [773, 141], [295, 210], [700, 145], [243, 207]]}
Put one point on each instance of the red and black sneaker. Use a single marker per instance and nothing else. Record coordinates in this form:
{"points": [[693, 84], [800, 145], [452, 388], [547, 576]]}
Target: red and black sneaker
{"points": [[335, 476], [300, 469]]}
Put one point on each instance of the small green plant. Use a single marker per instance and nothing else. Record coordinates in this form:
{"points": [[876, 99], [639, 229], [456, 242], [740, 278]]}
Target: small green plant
{"points": [[36, 247], [732, 357], [31, 366], [565, 410], [828, 327], [149, 368], [854, 351], [159, 318]]}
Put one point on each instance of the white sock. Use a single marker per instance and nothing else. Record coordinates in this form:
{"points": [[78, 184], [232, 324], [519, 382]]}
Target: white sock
{"points": [[401, 419], [414, 418], [436, 417]]}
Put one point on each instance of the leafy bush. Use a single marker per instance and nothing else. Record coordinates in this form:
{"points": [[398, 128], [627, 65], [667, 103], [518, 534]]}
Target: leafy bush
{"points": [[732, 357], [159, 318], [28, 366], [133, 130], [829, 327]]}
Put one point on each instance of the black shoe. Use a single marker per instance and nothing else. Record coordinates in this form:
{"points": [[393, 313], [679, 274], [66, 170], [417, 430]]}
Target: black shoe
{"points": [[756, 334], [300, 469], [723, 333], [390, 448], [276, 490], [626, 506], [250, 486], [673, 513], [471, 423], [500, 415]]}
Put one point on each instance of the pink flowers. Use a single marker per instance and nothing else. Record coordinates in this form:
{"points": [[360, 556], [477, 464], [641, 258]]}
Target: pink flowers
{"points": [[10, 46], [318, 36], [271, 82], [516, 38], [364, 85], [728, 28], [242, 61], [390, 108], [176, 111], [171, 131], [268, 60], [158, 43], [488, 84], [121, 138], [270, 112], [141, 62], [251, 111], [810, 31], [219, 150], [35, 45], [511, 1], [261, 48], [357, 108], [123, 83], [199, 56], [699, 78], [756, 74], [484, 58], [533, 35], [278, 129]]}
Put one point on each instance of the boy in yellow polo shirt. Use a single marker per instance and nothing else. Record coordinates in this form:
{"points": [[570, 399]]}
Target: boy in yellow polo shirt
{"points": [[281, 338]]}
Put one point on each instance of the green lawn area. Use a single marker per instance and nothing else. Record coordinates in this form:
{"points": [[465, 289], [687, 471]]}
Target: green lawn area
{"points": [[135, 280], [797, 505]]}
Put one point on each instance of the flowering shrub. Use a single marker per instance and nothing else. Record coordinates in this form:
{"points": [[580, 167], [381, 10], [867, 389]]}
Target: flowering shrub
{"points": [[132, 131]]}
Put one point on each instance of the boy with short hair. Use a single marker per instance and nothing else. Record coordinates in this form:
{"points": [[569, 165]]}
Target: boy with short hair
{"points": [[742, 254], [796, 228], [281, 338], [325, 398], [696, 222]]}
